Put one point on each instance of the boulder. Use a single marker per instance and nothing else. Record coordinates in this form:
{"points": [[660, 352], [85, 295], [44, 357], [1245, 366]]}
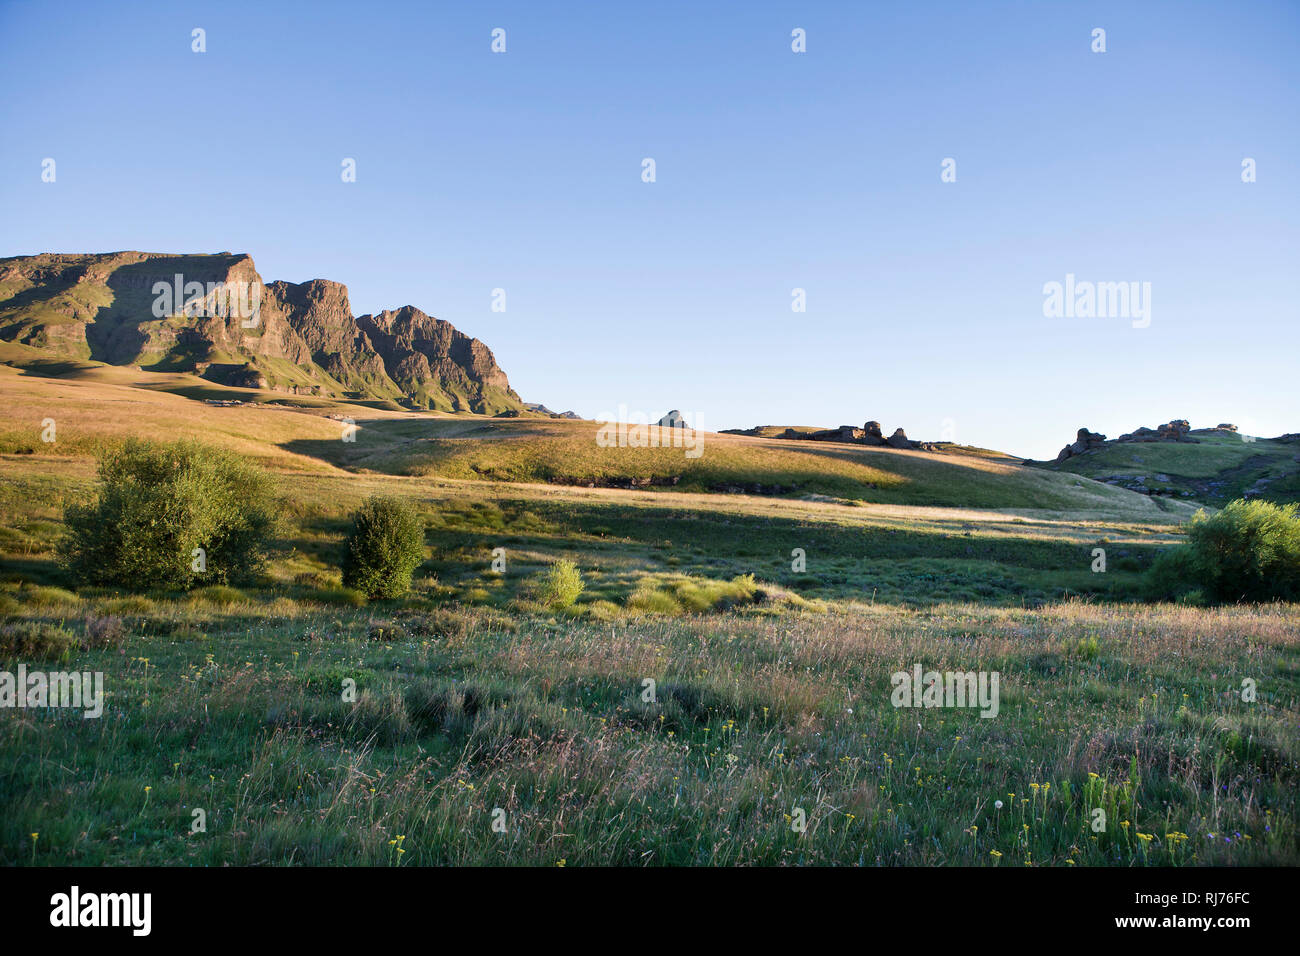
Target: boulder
{"points": [[899, 439]]}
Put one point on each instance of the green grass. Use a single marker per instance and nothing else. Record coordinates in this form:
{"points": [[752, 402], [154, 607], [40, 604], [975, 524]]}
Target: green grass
{"points": [[464, 711]]}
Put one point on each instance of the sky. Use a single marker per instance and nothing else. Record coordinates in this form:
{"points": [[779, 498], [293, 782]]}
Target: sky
{"points": [[775, 170]]}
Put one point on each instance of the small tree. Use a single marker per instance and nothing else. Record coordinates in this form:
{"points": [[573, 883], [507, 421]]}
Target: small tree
{"points": [[1249, 551], [385, 546], [559, 585], [171, 516]]}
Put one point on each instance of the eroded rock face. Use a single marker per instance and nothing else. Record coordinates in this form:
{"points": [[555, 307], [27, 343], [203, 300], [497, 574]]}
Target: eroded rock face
{"points": [[302, 338]]}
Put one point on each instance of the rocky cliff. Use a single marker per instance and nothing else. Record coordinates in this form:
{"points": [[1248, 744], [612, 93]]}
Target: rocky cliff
{"points": [[213, 315]]}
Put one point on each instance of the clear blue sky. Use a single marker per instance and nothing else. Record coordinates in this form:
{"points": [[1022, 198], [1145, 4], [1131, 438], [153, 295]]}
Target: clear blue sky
{"points": [[775, 170]]}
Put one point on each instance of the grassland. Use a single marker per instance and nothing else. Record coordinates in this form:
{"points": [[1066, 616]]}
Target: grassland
{"points": [[772, 682], [236, 709]]}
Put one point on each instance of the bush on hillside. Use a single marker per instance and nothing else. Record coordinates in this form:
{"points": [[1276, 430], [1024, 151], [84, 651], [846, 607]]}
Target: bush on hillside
{"points": [[1249, 551], [384, 548], [171, 516]]}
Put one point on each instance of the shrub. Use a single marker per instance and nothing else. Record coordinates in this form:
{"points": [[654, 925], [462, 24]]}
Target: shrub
{"points": [[559, 585], [384, 548], [103, 631], [157, 505], [1249, 551], [35, 641]]}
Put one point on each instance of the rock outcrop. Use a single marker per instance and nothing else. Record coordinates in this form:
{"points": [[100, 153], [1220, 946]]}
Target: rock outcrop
{"points": [[1176, 430], [869, 434], [673, 419], [1084, 441]]}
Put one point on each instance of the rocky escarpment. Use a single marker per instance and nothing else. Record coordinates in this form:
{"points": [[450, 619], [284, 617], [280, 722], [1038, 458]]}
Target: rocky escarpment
{"points": [[214, 316]]}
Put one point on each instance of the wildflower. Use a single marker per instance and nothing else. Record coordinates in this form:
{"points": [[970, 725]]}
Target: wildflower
{"points": [[997, 804], [995, 854]]}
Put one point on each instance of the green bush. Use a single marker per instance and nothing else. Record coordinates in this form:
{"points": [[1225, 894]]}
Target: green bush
{"points": [[158, 505], [384, 548], [1249, 551], [559, 585]]}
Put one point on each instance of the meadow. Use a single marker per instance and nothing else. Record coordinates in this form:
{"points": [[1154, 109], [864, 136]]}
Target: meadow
{"points": [[490, 728]]}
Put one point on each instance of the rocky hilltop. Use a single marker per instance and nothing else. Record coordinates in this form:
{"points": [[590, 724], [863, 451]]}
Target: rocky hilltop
{"points": [[869, 434], [1177, 430], [214, 316]]}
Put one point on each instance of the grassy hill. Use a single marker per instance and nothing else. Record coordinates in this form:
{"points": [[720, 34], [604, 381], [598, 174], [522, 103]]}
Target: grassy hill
{"points": [[104, 403], [1218, 468]]}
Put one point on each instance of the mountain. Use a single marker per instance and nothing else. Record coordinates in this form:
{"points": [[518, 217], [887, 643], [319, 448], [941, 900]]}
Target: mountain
{"points": [[213, 315], [1210, 465]]}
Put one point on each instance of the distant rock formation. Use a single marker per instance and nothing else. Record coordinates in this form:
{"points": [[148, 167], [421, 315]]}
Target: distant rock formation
{"points": [[1177, 430], [673, 419], [541, 409], [1084, 441], [869, 434], [899, 440]]}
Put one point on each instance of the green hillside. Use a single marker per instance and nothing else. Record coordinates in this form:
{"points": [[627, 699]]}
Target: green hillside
{"points": [[1219, 467]]}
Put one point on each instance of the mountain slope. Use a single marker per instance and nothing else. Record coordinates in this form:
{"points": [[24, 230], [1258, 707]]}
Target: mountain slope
{"points": [[214, 316]]}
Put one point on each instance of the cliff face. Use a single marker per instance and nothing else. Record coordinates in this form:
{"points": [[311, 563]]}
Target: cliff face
{"points": [[213, 315]]}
